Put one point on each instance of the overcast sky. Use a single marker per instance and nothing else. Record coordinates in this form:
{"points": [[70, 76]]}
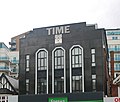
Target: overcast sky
{"points": [[19, 16]]}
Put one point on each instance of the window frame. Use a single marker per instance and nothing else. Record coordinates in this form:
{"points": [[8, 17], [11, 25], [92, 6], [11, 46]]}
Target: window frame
{"points": [[70, 52], [27, 85], [94, 79], [27, 63], [53, 68], [93, 57], [36, 69], [42, 60]]}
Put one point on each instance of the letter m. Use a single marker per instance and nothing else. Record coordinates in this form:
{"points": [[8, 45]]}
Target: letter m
{"points": [[59, 30]]}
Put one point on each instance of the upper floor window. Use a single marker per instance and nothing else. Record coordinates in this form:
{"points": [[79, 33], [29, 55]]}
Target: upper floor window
{"points": [[58, 79], [41, 82], [27, 62], [117, 57], [93, 56], [42, 60], [76, 64], [27, 85], [59, 58], [114, 38], [76, 57], [94, 82], [113, 47], [117, 66]]}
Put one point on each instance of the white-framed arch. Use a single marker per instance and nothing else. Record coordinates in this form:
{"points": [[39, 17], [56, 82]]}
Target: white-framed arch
{"points": [[70, 52], [42, 49], [53, 67]]}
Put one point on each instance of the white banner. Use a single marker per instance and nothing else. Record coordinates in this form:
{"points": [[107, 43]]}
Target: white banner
{"points": [[111, 99]]}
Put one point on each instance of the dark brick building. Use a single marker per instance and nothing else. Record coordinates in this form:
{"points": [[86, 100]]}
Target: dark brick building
{"points": [[64, 59]]}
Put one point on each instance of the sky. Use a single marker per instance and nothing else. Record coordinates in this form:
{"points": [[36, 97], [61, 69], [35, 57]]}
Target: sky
{"points": [[19, 16]]}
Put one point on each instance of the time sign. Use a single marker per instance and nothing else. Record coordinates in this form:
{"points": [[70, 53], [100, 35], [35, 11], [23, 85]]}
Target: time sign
{"points": [[58, 30]]}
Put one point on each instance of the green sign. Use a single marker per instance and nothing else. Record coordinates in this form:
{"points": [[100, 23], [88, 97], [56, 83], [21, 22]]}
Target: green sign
{"points": [[59, 99]]}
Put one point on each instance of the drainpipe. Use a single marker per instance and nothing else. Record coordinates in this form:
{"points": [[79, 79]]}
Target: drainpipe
{"points": [[112, 64]]}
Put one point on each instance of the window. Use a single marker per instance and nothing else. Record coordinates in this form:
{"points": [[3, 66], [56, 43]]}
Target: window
{"points": [[114, 38], [93, 56], [14, 40], [42, 85], [27, 62], [76, 66], [3, 98], [59, 59], [27, 86], [41, 82], [59, 85], [76, 83], [117, 66], [58, 71], [113, 47], [117, 57], [42, 60], [76, 57], [94, 83]]}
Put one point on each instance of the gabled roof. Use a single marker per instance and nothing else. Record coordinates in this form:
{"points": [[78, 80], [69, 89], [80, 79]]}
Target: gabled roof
{"points": [[14, 82], [8, 85]]}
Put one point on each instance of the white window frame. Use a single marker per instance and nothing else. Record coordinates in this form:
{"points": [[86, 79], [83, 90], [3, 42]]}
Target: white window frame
{"points": [[53, 67], [71, 67], [37, 69]]}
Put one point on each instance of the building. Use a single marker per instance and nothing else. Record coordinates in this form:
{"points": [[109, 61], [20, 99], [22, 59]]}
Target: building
{"points": [[15, 41], [8, 85], [8, 88], [9, 61], [113, 39], [64, 62]]}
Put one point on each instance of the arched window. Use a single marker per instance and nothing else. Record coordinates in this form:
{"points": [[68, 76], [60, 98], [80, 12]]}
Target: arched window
{"points": [[41, 76], [76, 69], [59, 59], [58, 71], [76, 57], [42, 60]]}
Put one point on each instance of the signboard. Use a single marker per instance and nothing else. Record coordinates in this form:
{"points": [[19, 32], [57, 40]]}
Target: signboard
{"points": [[58, 30], [59, 99], [65, 99]]}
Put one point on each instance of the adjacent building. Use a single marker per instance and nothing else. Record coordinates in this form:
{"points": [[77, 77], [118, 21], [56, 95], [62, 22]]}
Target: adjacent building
{"points": [[8, 85], [9, 61], [8, 73], [65, 62], [15, 41], [113, 39]]}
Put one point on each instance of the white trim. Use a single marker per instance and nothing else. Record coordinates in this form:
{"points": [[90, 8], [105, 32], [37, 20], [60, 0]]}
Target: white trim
{"points": [[71, 68], [116, 80], [53, 69], [36, 69], [118, 91]]}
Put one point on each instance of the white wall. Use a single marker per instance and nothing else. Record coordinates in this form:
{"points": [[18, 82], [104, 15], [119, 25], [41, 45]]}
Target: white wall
{"points": [[13, 98]]}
